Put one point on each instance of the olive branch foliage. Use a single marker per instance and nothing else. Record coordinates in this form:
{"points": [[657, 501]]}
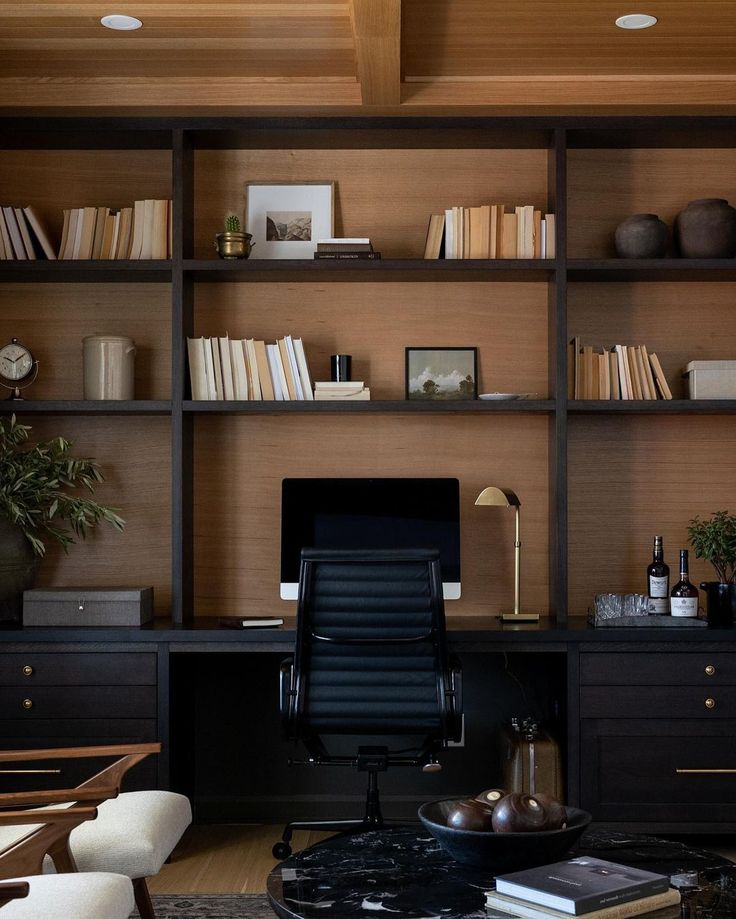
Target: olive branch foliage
{"points": [[34, 489], [714, 540]]}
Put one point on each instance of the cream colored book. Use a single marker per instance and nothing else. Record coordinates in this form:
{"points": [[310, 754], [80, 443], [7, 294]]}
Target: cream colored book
{"points": [[644, 906], [508, 239], [39, 231], [124, 233], [646, 392], [137, 236], [433, 242], [254, 379], [301, 359], [549, 230], [24, 234], [634, 372], [660, 377], [3, 254], [479, 229], [209, 368], [496, 231], [99, 233], [217, 367], [288, 376], [148, 228], [86, 238], [264, 372], [106, 251], [115, 234], [537, 234], [159, 241], [291, 352], [75, 215], [228, 379], [64, 232], [648, 371], [197, 374], [239, 368], [615, 382]]}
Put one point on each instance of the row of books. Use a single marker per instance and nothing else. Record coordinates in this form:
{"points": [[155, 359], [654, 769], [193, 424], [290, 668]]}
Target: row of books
{"points": [[142, 231], [234, 369], [23, 236], [356, 247], [489, 232], [582, 886], [623, 372]]}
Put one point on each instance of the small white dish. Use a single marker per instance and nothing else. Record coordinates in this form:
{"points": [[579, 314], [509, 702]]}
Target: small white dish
{"points": [[498, 396]]}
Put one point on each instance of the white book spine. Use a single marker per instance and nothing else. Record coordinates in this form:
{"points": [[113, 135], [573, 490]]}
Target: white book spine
{"points": [[294, 368], [255, 379], [449, 234], [209, 366], [301, 359], [228, 382], [272, 353], [543, 240], [197, 373], [240, 373]]}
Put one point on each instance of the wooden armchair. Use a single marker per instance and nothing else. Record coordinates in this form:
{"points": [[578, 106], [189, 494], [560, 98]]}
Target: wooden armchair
{"points": [[133, 834], [13, 890]]}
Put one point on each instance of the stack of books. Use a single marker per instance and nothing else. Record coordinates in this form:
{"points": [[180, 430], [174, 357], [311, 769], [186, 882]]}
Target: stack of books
{"points": [[489, 232], [621, 372], [354, 392], [142, 231], [23, 236], [245, 369], [358, 247], [580, 887]]}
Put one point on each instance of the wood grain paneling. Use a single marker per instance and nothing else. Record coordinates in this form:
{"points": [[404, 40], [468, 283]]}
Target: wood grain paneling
{"points": [[680, 322], [632, 478], [240, 462], [606, 186], [375, 322], [52, 319], [51, 180], [377, 34], [388, 195], [134, 454]]}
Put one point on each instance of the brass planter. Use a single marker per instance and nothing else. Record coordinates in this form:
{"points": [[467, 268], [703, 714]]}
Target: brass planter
{"points": [[233, 245]]}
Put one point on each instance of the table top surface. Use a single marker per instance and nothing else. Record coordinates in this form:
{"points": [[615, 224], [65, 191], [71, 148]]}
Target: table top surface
{"points": [[403, 873]]}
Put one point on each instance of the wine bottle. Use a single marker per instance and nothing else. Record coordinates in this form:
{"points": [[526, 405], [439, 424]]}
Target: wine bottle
{"points": [[684, 596], [658, 580]]}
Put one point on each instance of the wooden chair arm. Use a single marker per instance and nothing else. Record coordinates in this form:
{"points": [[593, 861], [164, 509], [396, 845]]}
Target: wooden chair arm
{"points": [[13, 890], [60, 796], [30, 756], [45, 817]]}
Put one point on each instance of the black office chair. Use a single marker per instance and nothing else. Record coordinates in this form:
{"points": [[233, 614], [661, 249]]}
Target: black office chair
{"points": [[371, 659]]}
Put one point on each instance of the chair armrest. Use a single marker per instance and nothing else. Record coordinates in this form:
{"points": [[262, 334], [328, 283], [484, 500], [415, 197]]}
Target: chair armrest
{"points": [[30, 756], [73, 815], [287, 693], [60, 796], [13, 890]]}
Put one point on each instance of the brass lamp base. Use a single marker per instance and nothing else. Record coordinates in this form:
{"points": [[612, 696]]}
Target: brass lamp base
{"points": [[510, 616]]}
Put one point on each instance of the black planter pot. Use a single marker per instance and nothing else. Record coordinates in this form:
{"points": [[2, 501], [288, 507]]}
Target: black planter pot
{"points": [[18, 566], [721, 603]]}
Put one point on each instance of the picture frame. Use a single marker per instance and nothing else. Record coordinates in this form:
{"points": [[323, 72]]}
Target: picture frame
{"points": [[286, 219], [452, 371]]}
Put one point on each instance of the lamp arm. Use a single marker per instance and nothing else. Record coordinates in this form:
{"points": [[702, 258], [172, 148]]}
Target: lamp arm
{"points": [[517, 562]]}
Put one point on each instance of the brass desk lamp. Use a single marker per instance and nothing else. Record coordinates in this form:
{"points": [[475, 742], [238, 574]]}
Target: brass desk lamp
{"points": [[504, 497]]}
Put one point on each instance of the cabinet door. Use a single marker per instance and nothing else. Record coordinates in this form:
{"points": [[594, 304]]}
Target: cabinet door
{"points": [[668, 771]]}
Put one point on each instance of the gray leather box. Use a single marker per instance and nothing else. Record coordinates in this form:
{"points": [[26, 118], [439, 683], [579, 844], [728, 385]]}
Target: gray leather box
{"points": [[88, 606]]}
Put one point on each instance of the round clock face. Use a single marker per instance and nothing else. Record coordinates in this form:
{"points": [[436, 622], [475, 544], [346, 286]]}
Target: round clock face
{"points": [[16, 362]]}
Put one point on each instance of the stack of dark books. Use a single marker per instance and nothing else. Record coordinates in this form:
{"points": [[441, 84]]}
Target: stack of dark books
{"points": [[359, 247]]}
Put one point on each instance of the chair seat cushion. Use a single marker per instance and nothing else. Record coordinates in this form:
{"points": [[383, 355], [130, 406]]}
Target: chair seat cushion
{"points": [[73, 896], [133, 834]]}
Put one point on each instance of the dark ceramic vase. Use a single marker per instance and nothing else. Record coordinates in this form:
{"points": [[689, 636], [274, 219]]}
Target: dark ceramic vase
{"points": [[721, 605], [641, 236], [707, 229], [18, 566]]}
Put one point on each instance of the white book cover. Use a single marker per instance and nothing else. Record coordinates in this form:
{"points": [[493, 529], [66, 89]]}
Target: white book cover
{"points": [[253, 374], [7, 245], [148, 228], [449, 234], [24, 234], [294, 368], [116, 218], [240, 372], [197, 373], [543, 241], [345, 241], [281, 372], [137, 233], [301, 359], [336, 387], [13, 230], [217, 366], [272, 353], [228, 381], [78, 233], [209, 368], [623, 373]]}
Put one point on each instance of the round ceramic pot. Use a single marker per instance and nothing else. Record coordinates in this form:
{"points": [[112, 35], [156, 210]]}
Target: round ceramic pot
{"points": [[721, 604], [18, 566], [109, 367], [707, 229], [641, 236], [233, 245]]}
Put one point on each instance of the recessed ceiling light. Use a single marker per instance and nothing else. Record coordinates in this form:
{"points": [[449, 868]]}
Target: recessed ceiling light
{"points": [[636, 21], [121, 23]]}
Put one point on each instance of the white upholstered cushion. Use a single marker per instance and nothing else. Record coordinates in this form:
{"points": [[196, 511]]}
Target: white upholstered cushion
{"points": [[73, 896]]}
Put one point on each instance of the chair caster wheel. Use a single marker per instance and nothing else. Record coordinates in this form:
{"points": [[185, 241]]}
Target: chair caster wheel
{"points": [[281, 850]]}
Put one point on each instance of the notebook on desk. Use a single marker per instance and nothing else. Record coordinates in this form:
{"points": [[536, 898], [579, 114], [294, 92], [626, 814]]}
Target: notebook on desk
{"points": [[250, 622]]}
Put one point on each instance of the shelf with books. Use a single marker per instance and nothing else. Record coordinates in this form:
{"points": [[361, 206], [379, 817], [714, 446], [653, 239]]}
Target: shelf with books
{"points": [[536, 406], [87, 271], [85, 407], [659, 269]]}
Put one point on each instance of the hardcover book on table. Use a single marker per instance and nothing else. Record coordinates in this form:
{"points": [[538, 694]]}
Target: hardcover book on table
{"points": [[581, 885]]}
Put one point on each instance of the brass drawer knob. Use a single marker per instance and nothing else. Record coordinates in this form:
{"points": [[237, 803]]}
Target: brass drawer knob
{"points": [[28, 670], [710, 669], [28, 704], [710, 703]]}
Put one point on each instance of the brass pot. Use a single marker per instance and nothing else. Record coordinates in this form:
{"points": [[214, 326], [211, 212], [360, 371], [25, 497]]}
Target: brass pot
{"points": [[233, 245]]}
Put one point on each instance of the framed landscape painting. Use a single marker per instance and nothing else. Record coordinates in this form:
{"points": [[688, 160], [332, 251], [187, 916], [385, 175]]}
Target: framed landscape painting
{"points": [[287, 219], [441, 374]]}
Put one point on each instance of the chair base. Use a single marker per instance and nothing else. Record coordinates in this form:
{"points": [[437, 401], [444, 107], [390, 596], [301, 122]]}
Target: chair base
{"points": [[282, 849]]}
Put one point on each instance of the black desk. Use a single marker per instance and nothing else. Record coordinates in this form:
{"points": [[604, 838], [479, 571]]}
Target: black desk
{"points": [[405, 873]]}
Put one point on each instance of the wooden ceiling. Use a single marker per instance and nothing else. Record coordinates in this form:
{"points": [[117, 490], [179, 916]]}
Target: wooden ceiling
{"points": [[386, 53]]}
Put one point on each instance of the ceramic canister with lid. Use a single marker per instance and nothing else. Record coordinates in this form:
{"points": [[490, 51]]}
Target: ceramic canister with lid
{"points": [[109, 367]]}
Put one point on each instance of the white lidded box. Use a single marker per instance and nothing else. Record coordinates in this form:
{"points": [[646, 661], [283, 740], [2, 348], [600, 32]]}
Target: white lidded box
{"points": [[711, 379]]}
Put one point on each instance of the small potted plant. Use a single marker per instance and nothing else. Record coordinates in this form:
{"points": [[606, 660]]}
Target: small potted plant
{"points": [[233, 242], [36, 502], [714, 540]]}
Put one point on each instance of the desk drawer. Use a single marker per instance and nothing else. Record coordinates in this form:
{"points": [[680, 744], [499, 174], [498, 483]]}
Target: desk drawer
{"points": [[652, 702], [691, 667], [85, 669], [33, 702], [659, 770]]}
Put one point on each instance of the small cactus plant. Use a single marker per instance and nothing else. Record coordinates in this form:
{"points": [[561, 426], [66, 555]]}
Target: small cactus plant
{"points": [[232, 223]]}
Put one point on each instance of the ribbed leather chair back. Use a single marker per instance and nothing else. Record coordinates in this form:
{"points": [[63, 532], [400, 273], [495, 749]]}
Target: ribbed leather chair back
{"points": [[371, 651]]}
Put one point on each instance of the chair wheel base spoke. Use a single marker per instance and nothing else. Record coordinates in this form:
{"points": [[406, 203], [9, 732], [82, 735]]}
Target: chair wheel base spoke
{"points": [[281, 850]]}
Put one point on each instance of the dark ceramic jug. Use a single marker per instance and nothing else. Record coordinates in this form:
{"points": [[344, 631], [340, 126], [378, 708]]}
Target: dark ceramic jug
{"points": [[707, 229], [18, 564], [721, 602], [641, 236]]}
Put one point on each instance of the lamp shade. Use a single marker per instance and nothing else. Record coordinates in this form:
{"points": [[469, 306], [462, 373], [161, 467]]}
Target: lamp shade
{"points": [[498, 497]]}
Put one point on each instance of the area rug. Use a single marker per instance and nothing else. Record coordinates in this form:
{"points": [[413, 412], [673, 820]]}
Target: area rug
{"points": [[211, 906]]}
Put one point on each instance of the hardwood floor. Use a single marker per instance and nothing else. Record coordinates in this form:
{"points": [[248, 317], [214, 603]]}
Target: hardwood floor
{"points": [[237, 859]]}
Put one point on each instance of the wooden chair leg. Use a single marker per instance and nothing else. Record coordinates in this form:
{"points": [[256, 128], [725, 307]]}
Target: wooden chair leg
{"points": [[143, 899]]}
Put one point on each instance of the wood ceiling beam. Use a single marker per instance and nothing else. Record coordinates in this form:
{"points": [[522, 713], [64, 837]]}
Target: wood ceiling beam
{"points": [[377, 33]]}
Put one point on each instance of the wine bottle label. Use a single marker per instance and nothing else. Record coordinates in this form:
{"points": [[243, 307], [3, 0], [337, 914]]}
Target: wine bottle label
{"points": [[658, 587], [684, 606], [660, 605]]}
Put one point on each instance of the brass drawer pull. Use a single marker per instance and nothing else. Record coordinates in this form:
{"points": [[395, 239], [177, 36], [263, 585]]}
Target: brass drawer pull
{"points": [[710, 669], [710, 703], [28, 704], [28, 670], [705, 771], [30, 771]]}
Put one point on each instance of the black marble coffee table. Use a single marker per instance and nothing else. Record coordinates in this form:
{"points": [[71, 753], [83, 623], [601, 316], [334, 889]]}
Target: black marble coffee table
{"points": [[404, 874]]}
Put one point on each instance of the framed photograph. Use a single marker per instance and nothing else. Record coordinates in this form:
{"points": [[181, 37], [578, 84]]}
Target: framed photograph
{"points": [[441, 374], [287, 219]]}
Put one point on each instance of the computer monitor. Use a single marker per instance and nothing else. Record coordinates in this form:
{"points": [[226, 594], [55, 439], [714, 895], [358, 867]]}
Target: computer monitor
{"points": [[375, 513]]}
